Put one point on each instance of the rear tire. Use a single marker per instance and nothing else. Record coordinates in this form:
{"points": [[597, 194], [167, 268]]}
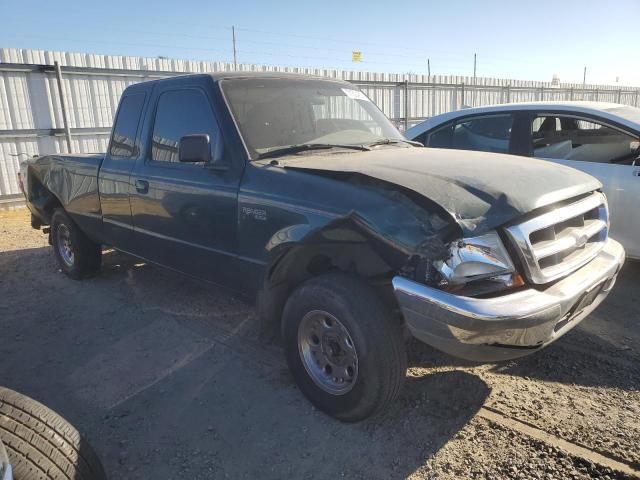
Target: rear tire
{"points": [[41, 444], [331, 315], [77, 255]]}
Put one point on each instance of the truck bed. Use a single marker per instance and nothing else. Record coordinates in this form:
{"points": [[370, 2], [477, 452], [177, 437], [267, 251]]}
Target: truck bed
{"points": [[69, 181]]}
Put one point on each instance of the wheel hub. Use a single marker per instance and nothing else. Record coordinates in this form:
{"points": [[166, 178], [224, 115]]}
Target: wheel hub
{"points": [[327, 352], [332, 349], [65, 248]]}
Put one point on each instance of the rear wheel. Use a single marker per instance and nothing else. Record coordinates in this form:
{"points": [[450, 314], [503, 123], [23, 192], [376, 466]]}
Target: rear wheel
{"points": [[345, 352], [77, 255], [40, 444]]}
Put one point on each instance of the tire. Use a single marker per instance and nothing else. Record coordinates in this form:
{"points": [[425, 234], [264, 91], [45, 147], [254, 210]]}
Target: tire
{"points": [[380, 364], [78, 256], [41, 444]]}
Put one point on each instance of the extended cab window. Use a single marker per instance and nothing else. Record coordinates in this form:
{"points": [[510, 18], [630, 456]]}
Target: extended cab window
{"points": [[123, 140], [180, 113], [490, 133], [573, 138]]}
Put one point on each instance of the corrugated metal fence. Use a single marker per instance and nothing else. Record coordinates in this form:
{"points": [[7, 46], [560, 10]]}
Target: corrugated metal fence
{"points": [[31, 116]]}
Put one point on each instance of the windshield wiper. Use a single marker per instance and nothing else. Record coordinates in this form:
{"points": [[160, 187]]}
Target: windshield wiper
{"points": [[290, 149], [393, 141]]}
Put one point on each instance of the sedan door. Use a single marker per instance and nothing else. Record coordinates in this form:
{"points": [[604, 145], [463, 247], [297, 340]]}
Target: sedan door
{"points": [[607, 153], [185, 214]]}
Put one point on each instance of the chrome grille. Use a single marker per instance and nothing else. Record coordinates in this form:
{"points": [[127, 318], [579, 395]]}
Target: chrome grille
{"points": [[558, 242]]}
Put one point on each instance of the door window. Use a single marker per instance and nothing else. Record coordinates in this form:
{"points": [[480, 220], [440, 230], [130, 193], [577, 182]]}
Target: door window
{"points": [[490, 133], [440, 138], [574, 138], [180, 113], [123, 140]]}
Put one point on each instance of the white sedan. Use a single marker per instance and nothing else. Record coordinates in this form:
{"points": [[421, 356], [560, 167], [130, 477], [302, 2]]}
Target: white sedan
{"points": [[602, 139]]}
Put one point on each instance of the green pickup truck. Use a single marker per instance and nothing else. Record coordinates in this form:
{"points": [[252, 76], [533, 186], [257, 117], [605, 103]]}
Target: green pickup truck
{"points": [[299, 193]]}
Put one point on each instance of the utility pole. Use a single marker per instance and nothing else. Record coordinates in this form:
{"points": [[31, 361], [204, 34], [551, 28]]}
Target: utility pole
{"points": [[474, 68], [63, 105], [584, 77], [235, 58], [429, 69], [473, 94]]}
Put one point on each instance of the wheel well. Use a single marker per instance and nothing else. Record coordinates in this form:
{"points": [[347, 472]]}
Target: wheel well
{"points": [[43, 199], [301, 262]]}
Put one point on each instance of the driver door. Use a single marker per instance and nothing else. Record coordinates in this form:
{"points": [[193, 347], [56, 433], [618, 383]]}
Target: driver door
{"points": [[185, 214], [604, 152]]}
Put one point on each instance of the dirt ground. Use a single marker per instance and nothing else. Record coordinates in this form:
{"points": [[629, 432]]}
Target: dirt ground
{"points": [[167, 378]]}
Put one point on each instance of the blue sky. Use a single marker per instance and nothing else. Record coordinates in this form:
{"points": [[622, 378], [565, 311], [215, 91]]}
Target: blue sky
{"points": [[513, 39]]}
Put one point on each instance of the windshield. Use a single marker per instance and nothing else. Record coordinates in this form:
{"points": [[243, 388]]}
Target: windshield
{"points": [[273, 113], [628, 113]]}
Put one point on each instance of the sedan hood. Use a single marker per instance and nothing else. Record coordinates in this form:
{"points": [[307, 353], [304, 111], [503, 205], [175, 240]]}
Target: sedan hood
{"points": [[480, 190]]}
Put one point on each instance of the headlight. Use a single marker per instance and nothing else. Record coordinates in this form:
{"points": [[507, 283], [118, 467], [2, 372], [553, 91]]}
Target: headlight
{"points": [[478, 265]]}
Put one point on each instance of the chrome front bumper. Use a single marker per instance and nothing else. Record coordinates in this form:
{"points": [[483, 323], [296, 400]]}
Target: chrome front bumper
{"points": [[511, 325]]}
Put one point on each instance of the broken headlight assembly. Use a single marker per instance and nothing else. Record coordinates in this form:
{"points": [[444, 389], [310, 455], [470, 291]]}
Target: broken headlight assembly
{"points": [[477, 266]]}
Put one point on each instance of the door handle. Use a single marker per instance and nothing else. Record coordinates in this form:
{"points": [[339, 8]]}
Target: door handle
{"points": [[142, 186], [636, 172]]}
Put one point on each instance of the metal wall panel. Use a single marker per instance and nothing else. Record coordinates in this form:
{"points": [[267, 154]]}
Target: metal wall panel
{"points": [[29, 98]]}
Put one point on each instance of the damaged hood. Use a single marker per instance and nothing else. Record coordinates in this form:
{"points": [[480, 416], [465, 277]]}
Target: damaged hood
{"points": [[480, 190]]}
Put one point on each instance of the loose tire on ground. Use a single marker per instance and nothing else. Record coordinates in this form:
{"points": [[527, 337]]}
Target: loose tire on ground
{"points": [[379, 345], [43, 445], [77, 255]]}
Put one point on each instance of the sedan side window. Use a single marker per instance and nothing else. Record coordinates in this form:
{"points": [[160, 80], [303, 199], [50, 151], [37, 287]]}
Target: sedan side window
{"points": [[574, 138], [440, 137], [490, 133], [180, 113]]}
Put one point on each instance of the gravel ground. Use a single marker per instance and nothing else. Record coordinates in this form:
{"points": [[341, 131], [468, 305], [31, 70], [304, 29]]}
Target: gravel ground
{"points": [[167, 379]]}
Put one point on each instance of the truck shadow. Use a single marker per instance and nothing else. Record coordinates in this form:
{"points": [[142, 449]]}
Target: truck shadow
{"points": [[260, 426]]}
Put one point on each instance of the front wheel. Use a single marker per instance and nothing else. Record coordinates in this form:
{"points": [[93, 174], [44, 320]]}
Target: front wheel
{"points": [[345, 352]]}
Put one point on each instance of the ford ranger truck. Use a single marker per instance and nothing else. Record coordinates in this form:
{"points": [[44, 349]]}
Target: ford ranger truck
{"points": [[298, 192]]}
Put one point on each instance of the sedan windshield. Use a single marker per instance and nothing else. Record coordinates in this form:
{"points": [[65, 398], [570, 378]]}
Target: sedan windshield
{"points": [[273, 113], [629, 113]]}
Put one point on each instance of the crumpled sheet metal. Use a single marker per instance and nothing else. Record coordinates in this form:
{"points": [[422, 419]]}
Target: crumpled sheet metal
{"points": [[376, 213], [72, 179], [480, 190]]}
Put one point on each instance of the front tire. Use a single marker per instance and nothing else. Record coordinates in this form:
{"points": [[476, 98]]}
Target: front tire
{"points": [[344, 350], [77, 255]]}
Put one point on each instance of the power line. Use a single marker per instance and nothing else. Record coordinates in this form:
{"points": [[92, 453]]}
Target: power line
{"points": [[449, 62], [129, 44], [447, 53], [259, 42], [453, 65]]}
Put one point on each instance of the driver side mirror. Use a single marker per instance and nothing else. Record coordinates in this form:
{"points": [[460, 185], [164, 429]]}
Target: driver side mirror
{"points": [[195, 148]]}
